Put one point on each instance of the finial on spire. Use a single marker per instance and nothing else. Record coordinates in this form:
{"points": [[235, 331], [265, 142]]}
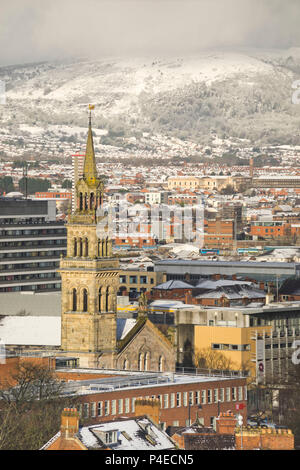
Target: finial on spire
{"points": [[91, 106]]}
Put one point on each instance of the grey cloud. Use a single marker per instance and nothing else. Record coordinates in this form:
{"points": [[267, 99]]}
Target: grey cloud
{"points": [[33, 30]]}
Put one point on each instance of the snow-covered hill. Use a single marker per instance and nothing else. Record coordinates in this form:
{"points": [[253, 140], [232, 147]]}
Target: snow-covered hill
{"points": [[247, 95]]}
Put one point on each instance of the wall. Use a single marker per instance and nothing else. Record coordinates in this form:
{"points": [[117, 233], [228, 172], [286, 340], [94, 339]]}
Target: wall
{"points": [[169, 415]]}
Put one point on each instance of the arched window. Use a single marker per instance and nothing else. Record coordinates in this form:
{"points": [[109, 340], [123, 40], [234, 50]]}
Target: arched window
{"points": [[146, 361], [75, 247], [161, 364], [141, 361], [86, 247], [85, 202], [99, 299], [91, 200], [74, 300], [80, 201], [125, 364], [80, 246], [106, 299], [85, 301]]}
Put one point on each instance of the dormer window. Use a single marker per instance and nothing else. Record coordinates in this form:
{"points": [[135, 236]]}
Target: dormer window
{"points": [[111, 437]]}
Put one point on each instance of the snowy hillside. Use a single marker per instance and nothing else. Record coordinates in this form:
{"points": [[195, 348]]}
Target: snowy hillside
{"points": [[242, 95]]}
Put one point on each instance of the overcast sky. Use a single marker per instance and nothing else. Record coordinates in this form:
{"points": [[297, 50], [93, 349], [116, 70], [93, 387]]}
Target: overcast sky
{"points": [[34, 30]]}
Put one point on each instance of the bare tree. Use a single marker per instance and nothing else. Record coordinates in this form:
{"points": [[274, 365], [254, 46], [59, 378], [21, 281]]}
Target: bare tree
{"points": [[31, 401], [207, 358]]}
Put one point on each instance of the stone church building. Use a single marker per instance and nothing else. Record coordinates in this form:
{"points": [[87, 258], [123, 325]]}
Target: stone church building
{"points": [[90, 329]]}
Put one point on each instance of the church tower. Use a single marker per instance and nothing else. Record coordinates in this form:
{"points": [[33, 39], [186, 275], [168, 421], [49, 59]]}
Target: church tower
{"points": [[89, 274]]}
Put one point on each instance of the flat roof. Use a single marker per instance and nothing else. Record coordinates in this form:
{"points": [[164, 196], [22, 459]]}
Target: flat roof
{"points": [[264, 264], [134, 380]]}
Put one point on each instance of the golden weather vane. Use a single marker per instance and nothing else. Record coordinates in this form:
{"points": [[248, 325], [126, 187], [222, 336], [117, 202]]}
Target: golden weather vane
{"points": [[91, 106]]}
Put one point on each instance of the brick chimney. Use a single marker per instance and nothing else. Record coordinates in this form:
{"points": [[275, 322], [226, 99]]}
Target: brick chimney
{"points": [[226, 423], [148, 407], [188, 297], [69, 422]]}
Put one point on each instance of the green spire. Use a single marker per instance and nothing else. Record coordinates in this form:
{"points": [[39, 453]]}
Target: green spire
{"points": [[90, 170]]}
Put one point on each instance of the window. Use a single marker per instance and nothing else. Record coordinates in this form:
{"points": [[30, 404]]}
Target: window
{"points": [[240, 393], [185, 399], [191, 398], [113, 407], [222, 395], [233, 393], [172, 400], [245, 392], [175, 423], [100, 408], [228, 394], [106, 407], [127, 405], [133, 404], [85, 301], [85, 410], [216, 395], [120, 406], [197, 397], [203, 397], [74, 300], [178, 399], [209, 396], [166, 400], [111, 437], [93, 410]]}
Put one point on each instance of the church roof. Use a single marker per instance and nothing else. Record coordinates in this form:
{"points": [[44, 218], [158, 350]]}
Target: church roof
{"points": [[124, 325]]}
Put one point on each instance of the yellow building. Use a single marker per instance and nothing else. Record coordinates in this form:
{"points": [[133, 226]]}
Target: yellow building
{"points": [[238, 344], [137, 281], [183, 182]]}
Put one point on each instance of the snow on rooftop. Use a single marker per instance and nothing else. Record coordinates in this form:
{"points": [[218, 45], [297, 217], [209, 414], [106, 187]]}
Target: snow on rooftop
{"points": [[131, 435], [30, 330], [124, 325]]}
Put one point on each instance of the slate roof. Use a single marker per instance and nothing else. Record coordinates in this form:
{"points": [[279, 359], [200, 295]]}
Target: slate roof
{"points": [[138, 433], [211, 284], [203, 438], [290, 287], [233, 293], [169, 285]]}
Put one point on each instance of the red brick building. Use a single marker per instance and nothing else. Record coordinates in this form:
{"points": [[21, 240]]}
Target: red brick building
{"points": [[219, 233], [182, 398], [228, 435]]}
